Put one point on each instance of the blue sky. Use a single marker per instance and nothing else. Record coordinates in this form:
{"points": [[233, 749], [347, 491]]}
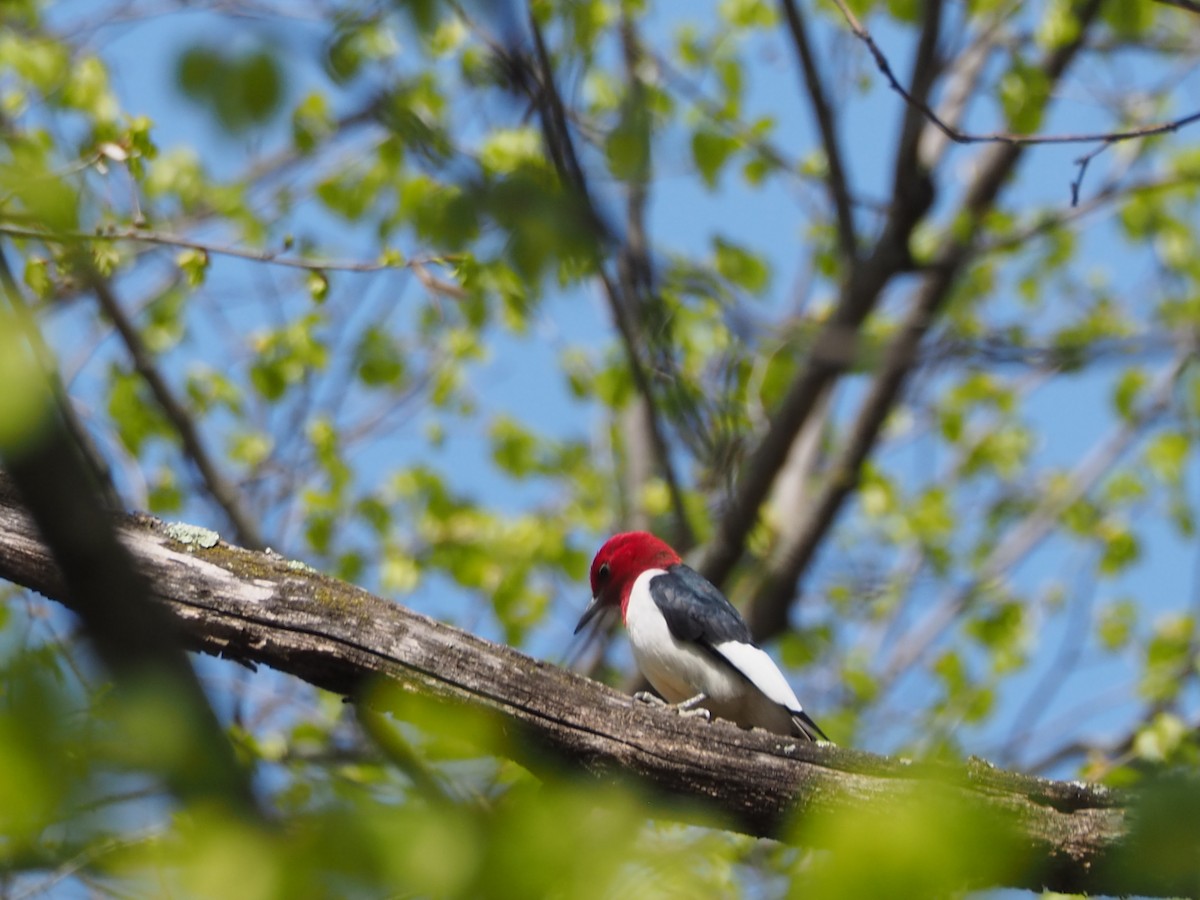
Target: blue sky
{"points": [[1068, 417]]}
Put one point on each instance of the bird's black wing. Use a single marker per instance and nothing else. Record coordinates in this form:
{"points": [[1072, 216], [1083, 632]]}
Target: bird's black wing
{"points": [[695, 610]]}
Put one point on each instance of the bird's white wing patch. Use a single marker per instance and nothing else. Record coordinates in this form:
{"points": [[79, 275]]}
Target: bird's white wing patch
{"points": [[762, 672]]}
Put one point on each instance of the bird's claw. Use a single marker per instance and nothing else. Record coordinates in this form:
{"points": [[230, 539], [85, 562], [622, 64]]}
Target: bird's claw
{"points": [[686, 708]]}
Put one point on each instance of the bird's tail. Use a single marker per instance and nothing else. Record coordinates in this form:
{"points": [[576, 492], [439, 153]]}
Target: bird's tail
{"points": [[804, 726]]}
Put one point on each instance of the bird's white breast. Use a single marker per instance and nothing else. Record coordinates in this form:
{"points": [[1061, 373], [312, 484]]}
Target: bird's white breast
{"points": [[750, 690], [676, 669]]}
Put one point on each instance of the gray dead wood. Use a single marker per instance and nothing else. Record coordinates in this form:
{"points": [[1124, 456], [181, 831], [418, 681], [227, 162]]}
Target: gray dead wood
{"points": [[260, 609]]}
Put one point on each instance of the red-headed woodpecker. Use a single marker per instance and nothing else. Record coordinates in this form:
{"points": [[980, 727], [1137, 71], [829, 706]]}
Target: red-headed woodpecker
{"points": [[688, 640]]}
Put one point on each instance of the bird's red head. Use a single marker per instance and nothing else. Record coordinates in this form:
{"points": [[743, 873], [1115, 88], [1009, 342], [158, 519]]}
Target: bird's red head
{"points": [[618, 564]]}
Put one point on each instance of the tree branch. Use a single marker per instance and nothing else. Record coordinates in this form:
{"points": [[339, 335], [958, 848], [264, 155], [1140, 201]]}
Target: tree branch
{"points": [[832, 353], [836, 181], [43, 356], [1189, 5], [1007, 137], [834, 349], [84, 564], [622, 296], [768, 611], [218, 486], [924, 73], [270, 257], [258, 608]]}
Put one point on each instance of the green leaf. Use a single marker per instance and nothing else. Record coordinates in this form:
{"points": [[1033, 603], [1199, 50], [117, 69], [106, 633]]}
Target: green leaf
{"points": [[287, 356], [40, 194], [25, 399], [747, 13], [37, 277], [710, 151], [311, 122], [1169, 656], [1121, 547], [627, 146], [1059, 25], [87, 90], [1024, 90], [250, 448], [905, 10], [1129, 20], [136, 416], [318, 285], [379, 360], [1115, 624], [514, 449], [931, 516], [449, 35], [504, 151], [43, 62], [166, 494], [240, 89], [1128, 389], [1167, 456], [1161, 739], [740, 266], [194, 265]]}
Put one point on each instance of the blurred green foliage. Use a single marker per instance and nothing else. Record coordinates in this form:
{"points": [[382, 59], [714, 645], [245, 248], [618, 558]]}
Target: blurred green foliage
{"points": [[241, 90], [382, 152]]}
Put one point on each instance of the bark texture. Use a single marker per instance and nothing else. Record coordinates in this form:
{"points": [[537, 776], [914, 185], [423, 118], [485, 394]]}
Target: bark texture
{"points": [[260, 609]]}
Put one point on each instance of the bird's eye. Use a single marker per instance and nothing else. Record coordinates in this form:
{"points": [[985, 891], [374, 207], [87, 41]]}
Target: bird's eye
{"points": [[602, 572]]}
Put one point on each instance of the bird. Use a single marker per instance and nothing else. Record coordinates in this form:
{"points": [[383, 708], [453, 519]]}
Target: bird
{"points": [[689, 641]]}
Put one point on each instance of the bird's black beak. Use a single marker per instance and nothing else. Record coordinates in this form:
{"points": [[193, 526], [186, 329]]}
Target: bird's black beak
{"points": [[589, 614]]}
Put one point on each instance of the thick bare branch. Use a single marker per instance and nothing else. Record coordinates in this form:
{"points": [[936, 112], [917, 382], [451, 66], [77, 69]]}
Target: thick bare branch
{"points": [[769, 609], [925, 68], [832, 353], [258, 608], [836, 180]]}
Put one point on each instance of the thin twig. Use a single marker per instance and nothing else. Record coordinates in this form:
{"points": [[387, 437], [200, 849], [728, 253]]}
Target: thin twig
{"points": [[271, 257], [964, 74], [1083, 162], [1007, 137], [1066, 660], [86, 857]]}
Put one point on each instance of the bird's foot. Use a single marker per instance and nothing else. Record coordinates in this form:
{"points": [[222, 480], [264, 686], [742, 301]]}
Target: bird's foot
{"points": [[649, 699], [686, 708]]}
